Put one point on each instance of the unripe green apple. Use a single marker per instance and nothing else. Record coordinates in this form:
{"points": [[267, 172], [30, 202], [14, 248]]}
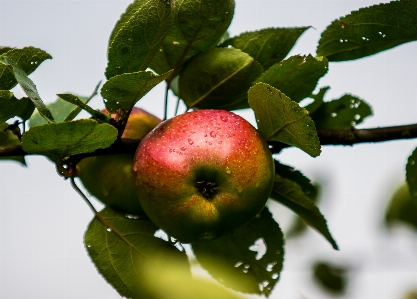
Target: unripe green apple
{"points": [[109, 177], [203, 174]]}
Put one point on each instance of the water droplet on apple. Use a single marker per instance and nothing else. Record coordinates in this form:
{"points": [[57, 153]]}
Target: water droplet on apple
{"points": [[109, 229], [190, 142], [245, 270], [89, 246], [213, 134], [223, 118], [208, 236], [238, 264], [274, 276], [183, 148]]}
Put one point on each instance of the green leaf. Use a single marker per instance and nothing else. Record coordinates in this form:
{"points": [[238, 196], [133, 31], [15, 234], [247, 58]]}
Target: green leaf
{"points": [[331, 277], [11, 107], [310, 190], [125, 249], [297, 76], [123, 91], [267, 46], [73, 99], [411, 173], [280, 119], [5, 50], [218, 78], [7, 138], [238, 260], [198, 25], [290, 194], [58, 140], [288, 172], [28, 87], [402, 208], [28, 59], [369, 30], [140, 33], [61, 111], [343, 113]]}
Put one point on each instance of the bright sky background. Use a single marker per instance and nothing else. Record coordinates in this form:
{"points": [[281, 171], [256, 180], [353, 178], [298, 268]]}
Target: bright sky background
{"points": [[42, 220]]}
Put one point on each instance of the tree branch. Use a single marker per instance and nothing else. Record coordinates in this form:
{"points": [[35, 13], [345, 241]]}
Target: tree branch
{"points": [[327, 137]]}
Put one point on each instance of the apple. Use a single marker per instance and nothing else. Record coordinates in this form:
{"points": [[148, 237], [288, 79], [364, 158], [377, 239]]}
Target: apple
{"points": [[203, 174], [109, 177]]}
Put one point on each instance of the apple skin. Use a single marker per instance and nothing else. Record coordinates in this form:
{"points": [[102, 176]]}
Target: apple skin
{"points": [[203, 174], [109, 177]]}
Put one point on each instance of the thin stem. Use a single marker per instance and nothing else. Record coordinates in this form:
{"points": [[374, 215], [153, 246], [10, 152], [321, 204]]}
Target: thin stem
{"points": [[75, 187], [177, 106], [166, 100]]}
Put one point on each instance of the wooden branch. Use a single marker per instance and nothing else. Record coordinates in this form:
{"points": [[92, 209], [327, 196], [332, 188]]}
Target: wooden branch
{"points": [[327, 137]]}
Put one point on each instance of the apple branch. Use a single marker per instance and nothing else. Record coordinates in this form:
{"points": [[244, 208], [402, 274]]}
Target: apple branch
{"points": [[327, 137]]}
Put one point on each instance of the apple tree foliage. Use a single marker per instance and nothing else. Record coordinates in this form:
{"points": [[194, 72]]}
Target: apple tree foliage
{"points": [[185, 45]]}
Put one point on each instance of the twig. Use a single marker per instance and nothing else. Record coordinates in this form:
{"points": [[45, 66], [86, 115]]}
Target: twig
{"points": [[326, 136]]}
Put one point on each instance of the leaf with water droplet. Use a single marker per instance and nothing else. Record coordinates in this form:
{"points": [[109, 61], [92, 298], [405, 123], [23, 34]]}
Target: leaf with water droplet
{"points": [[280, 119], [59, 140], [267, 46], [411, 174], [233, 261], [10, 106], [290, 194], [25, 58], [125, 255], [197, 26], [218, 78], [130, 49], [370, 30], [340, 113], [124, 91], [296, 76]]}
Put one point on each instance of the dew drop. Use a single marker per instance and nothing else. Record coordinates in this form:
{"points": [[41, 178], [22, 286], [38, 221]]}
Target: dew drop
{"points": [[341, 40], [132, 216], [333, 114], [412, 162], [223, 118], [247, 266], [228, 171], [190, 142], [175, 43], [109, 229], [357, 117], [89, 246], [274, 276], [245, 270], [353, 123], [238, 264]]}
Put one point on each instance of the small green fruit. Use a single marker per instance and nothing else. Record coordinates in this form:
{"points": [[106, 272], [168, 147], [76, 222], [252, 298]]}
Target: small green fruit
{"points": [[203, 174], [109, 177]]}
